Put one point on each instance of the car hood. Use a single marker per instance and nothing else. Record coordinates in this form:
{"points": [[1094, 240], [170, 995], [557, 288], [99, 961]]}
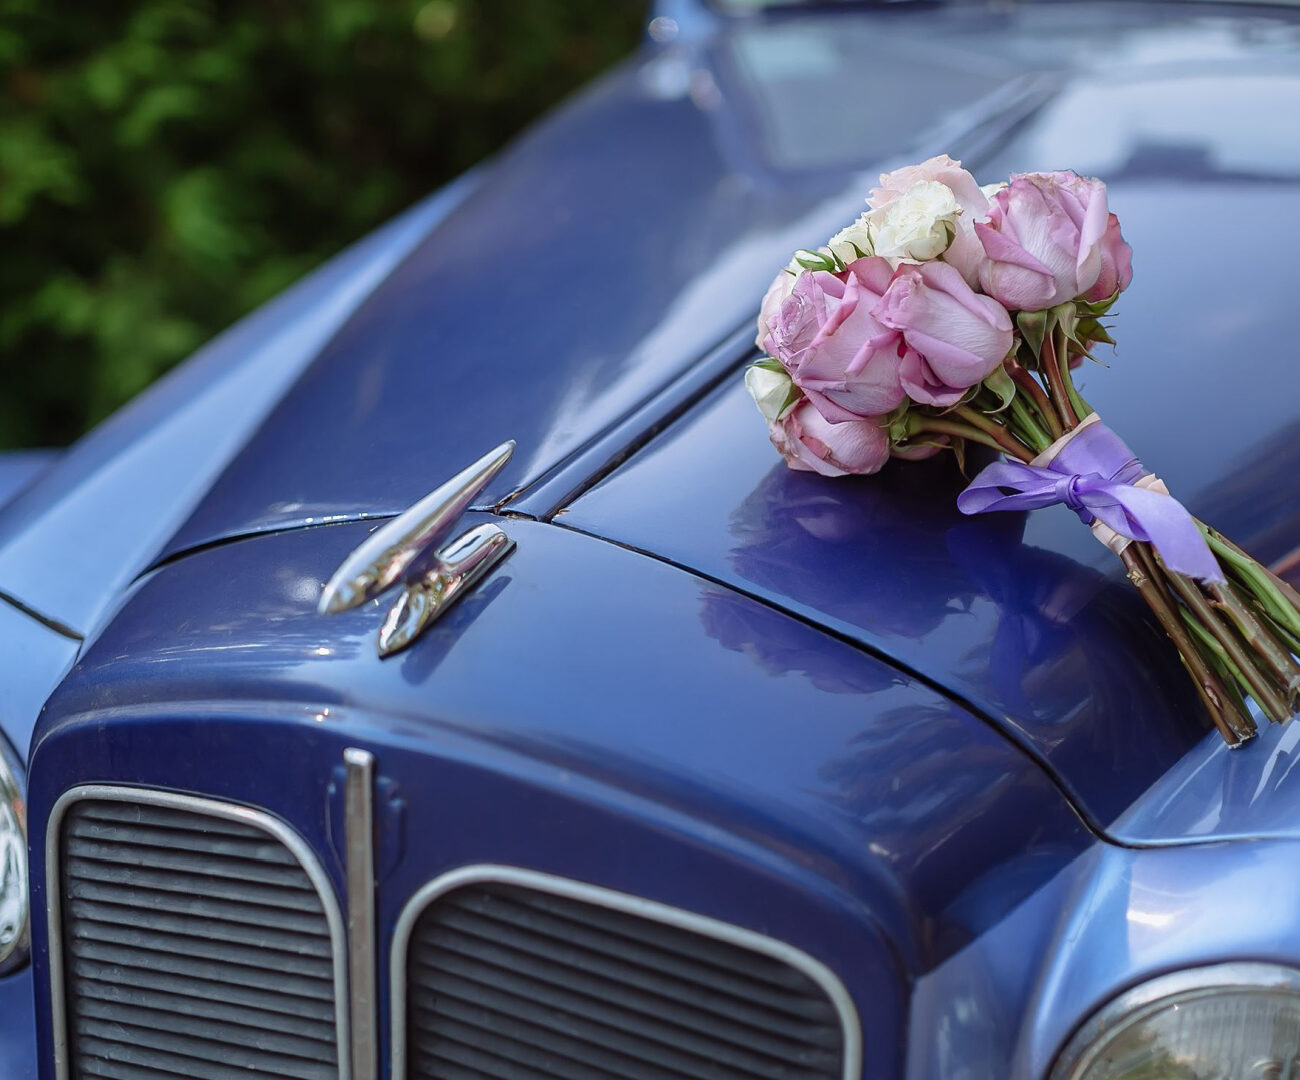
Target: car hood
{"points": [[1025, 618], [609, 250], [599, 259]]}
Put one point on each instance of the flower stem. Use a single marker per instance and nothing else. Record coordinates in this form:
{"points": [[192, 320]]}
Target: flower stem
{"points": [[1233, 680], [1280, 599], [1056, 385], [918, 425], [1270, 650], [1042, 405], [1235, 727], [1254, 681], [995, 431], [1027, 424], [1081, 408]]}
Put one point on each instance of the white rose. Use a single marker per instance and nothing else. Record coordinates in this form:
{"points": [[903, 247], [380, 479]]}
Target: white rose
{"points": [[916, 226], [772, 390], [854, 242]]}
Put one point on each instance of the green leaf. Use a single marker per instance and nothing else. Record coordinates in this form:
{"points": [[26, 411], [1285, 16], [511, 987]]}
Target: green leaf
{"points": [[1066, 317], [1034, 327], [815, 260], [1096, 308], [1003, 386]]}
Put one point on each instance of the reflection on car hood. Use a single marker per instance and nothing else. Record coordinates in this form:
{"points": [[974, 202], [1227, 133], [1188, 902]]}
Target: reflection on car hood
{"points": [[1025, 617], [616, 244]]}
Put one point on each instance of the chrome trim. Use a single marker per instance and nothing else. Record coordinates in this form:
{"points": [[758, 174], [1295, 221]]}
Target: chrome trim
{"points": [[617, 901], [231, 812], [1148, 998], [359, 875], [13, 793], [391, 551], [457, 569]]}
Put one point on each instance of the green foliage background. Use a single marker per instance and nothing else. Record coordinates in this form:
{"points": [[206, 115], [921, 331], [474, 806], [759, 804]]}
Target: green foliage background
{"points": [[167, 165]]}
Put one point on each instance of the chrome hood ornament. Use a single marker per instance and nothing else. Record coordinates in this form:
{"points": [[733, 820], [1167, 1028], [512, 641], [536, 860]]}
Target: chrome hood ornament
{"points": [[407, 550]]}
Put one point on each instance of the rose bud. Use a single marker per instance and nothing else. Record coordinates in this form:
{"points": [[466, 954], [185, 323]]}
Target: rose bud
{"points": [[1116, 264], [1043, 240], [965, 251], [956, 337], [773, 391], [810, 443], [919, 224], [941, 169], [834, 348]]}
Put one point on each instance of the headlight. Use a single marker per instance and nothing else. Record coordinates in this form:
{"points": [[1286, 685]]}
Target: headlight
{"points": [[1231, 1020], [13, 861]]}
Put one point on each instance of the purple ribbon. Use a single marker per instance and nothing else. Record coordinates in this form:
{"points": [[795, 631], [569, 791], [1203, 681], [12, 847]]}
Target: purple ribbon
{"points": [[1093, 474]]}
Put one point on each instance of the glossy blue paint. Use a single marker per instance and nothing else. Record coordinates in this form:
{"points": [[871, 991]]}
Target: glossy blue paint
{"points": [[726, 758], [71, 542], [20, 468], [713, 706], [1006, 1005], [1023, 616], [1215, 794], [18, 1047], [1031, 636], [33, 658]]}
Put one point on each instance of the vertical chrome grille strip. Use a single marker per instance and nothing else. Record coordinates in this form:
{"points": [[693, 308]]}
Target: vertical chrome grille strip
{"points": [[359, 872], [211, 807]]}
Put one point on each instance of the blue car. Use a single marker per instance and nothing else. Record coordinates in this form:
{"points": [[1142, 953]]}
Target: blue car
{"points": [[350, 740]]}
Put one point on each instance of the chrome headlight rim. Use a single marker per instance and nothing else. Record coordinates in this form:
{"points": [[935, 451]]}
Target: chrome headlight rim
{"points": [[13, 803], [1147, 999]]}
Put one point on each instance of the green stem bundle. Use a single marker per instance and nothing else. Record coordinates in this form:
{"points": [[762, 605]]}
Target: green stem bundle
{"points": [[1238, 639]]}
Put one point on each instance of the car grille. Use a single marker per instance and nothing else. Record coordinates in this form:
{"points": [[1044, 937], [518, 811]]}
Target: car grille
{"points": [[194, 945], [508, 982]]}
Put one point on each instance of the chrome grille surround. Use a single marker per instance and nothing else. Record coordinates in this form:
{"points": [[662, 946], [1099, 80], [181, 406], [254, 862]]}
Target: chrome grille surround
{"points": [[276, 830], [825, 979]]}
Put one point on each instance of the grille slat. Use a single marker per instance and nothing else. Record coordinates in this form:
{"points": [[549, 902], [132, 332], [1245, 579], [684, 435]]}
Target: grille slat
{"points": [[188, 862], [166, 838], [506, 982], [194, 947], [598, 975], [452, 1060], [615, 1005], [136, 813], [178, 1002], [79, 870], [704, 993], [240, 993], [246, 953], [195, 911]]}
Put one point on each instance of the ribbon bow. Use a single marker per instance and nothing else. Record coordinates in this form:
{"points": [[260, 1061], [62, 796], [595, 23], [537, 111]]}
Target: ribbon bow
{"points": [[1092, 472]]}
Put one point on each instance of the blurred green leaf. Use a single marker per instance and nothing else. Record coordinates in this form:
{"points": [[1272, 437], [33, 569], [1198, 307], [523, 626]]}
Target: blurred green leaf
{"points": [[167, 165]]}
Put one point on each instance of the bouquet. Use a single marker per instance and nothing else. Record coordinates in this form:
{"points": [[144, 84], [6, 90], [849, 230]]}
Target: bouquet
{"points": [[951, 314]]}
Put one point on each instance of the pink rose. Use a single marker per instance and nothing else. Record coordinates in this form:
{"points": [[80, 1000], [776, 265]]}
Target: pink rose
{"points": [[941, 169], [811, 443], [1116, 264], [1043, 240], [782, 286], [955, 337], [921, 451], [965, 252], [835, 350]]}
